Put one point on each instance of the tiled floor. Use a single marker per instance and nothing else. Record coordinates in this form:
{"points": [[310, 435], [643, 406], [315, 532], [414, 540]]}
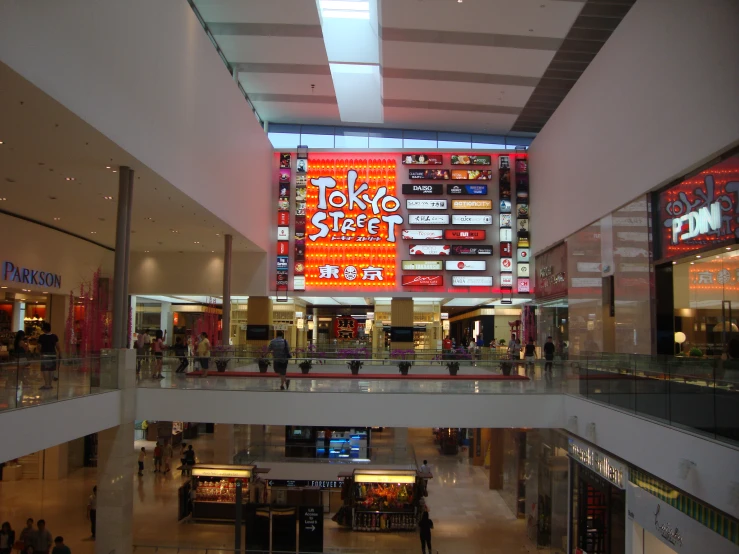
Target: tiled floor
{"points": [[468, 518]]}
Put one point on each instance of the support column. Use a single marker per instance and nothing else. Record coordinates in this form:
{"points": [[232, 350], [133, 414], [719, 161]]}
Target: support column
{"points": [[166, 322], [223, 443], [401, 315], [127, 342], [19, 313], [495, 481], [259, 313], [122, 246], [226, 318], [116, 458], [56, 462]]}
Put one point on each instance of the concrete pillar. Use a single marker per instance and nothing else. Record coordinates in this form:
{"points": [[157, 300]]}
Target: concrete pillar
{"points": [[401, 315], [259, 313], [133, 302], [116, 466], [56, 462], [19, 312], [226, 318], [223, 443], [165, 323], [122, 247]]}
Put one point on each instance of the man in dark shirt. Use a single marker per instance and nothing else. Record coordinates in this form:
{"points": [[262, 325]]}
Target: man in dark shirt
{"points": [[50, 351], [60, 547], [548, 355], [280, 354]]}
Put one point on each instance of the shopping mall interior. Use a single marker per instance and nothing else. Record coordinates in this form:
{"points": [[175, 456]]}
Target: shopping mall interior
{"points": [[304, 276]]}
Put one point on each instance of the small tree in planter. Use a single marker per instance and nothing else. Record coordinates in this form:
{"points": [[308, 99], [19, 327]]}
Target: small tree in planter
{"points": [[453, 364], [506, 366], [305, 366], [222, 356], [404, 364], [263, 361]]}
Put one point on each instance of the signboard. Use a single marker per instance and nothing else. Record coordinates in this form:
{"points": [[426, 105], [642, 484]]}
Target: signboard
{"points": [[428, 219], [613, 471], [423, 159], [458, 219], [472, 204], [26, 276], [472, 234], [506, 235], [472, 174], [700, 211], [430, 249], [506, 265], [505, 206], [464, 265], [522, 269], [422, 280], [310, 530], [471, 159], [359, 217], [676, 529], [524, 286], [437, 204], [463, 281], [422, 234], [346, 327], [283, 233], [282, 247], [298, 484], [523, 255], [283, 217], [505, 221], [482, 250], [506, 250], [434, 174], [282, 262], [551, 268], [423, 189], [506, 280], [299, 282], [467, 190], [426, 265]]}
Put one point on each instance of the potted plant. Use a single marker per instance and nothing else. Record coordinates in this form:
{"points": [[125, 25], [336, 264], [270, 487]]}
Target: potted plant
{"points": [[305, 366], [263, 361], [222, 357], [355, 366], [453, 367], [695, 352], [506, 366], [404, 366]]}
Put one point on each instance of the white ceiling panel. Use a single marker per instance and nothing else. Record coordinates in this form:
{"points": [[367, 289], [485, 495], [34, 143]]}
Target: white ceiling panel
{"points": [[475, 59], [298, 112], [302, 12], [547, 18], [444, 120], [283, 83], [259, 49], [469, 93]]}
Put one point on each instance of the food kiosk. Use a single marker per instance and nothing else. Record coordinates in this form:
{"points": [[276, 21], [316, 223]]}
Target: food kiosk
{"points": [[381, 500]]}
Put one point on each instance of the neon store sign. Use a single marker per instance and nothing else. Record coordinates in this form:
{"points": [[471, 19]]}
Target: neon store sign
{"points": [[701, 211], [353, 224]]}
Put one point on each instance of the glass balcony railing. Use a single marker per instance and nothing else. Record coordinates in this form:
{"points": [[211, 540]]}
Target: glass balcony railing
{"points": [[30, 382]]}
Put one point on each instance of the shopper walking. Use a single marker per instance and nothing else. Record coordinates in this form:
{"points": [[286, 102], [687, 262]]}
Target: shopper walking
{"points": [[92, 511], [60, 547], [140, 350], [280, 354], [142, 457], [549, 358], [157, 347], [180, 350], [326, 442], [529, 355], [27, 534], [424, 528], [41, 538], [204, 353], [189, 459], [7, 538], [157, 458], [50, 352], [425, 470]]}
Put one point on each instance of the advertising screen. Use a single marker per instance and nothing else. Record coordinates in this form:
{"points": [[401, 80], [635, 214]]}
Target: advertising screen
{"points": [[401, 334], [466, 190], [435, 174], [472, 174], [472, 234], [423, 159], [471, 159]]}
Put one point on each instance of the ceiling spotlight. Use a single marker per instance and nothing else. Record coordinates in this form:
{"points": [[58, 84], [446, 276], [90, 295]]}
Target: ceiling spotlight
{"points": [[218, 234], [44, 292], [673, 263], [174, 230], [93, 232], [108, 197], [1, 142], [70, 179], [57, 219], [698, 256], [728, 248], [3, 287], [107, 167], [114, 171], [150, 218], [692, 263], [3, 199], [196, 242], [146, 251], [212, 251]]}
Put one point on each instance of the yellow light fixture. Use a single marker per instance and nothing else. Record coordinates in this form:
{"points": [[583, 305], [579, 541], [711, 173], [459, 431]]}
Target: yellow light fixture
{"points": [[680, 337]]}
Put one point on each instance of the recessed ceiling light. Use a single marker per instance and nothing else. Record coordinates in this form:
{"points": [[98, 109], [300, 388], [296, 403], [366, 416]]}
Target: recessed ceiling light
{"points": [[698, 256], [212, 251], [728, 248], [107, 167], [93, 232], [150, 218], [70, 179], [44, 292], [114, 171], [3, 199], [108, 197], [692, 263], [218, 234], [196, 242], [174, 230], [57, 219], [146, 251], [1, 142], [3, 287], [673, 263]]}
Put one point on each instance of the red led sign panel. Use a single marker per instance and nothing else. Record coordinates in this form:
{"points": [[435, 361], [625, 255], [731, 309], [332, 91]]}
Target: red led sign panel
{"points": [[700, 211], [474, 234], [423, 280], [353, 223], [282, 247]]}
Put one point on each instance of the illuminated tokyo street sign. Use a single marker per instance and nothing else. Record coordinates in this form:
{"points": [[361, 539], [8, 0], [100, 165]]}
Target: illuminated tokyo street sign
{"points": [[353, 220]]}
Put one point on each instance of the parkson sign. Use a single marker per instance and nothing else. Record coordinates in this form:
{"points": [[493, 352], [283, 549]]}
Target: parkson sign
{"points": [[26, 276]]}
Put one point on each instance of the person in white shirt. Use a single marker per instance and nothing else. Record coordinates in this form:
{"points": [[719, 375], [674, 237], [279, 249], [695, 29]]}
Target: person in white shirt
{"points": [[425, 470]]}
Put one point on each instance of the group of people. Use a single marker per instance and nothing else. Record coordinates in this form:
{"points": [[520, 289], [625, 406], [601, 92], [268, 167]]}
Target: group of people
{"points": [[48, 348], [31, 540], [163, 454], [145, 345]]}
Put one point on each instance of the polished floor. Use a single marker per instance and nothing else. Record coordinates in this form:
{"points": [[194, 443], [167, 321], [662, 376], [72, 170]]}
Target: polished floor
{"points": [[468, 518]]}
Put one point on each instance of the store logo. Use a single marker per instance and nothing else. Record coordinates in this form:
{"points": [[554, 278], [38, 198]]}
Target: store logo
{"points": [[666, 531], [11, 272], [422, 280], [705, 220]]}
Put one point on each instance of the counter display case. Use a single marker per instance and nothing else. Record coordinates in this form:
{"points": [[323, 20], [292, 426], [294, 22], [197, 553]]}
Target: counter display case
{"points": [[382, 500], [213, 490]]}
